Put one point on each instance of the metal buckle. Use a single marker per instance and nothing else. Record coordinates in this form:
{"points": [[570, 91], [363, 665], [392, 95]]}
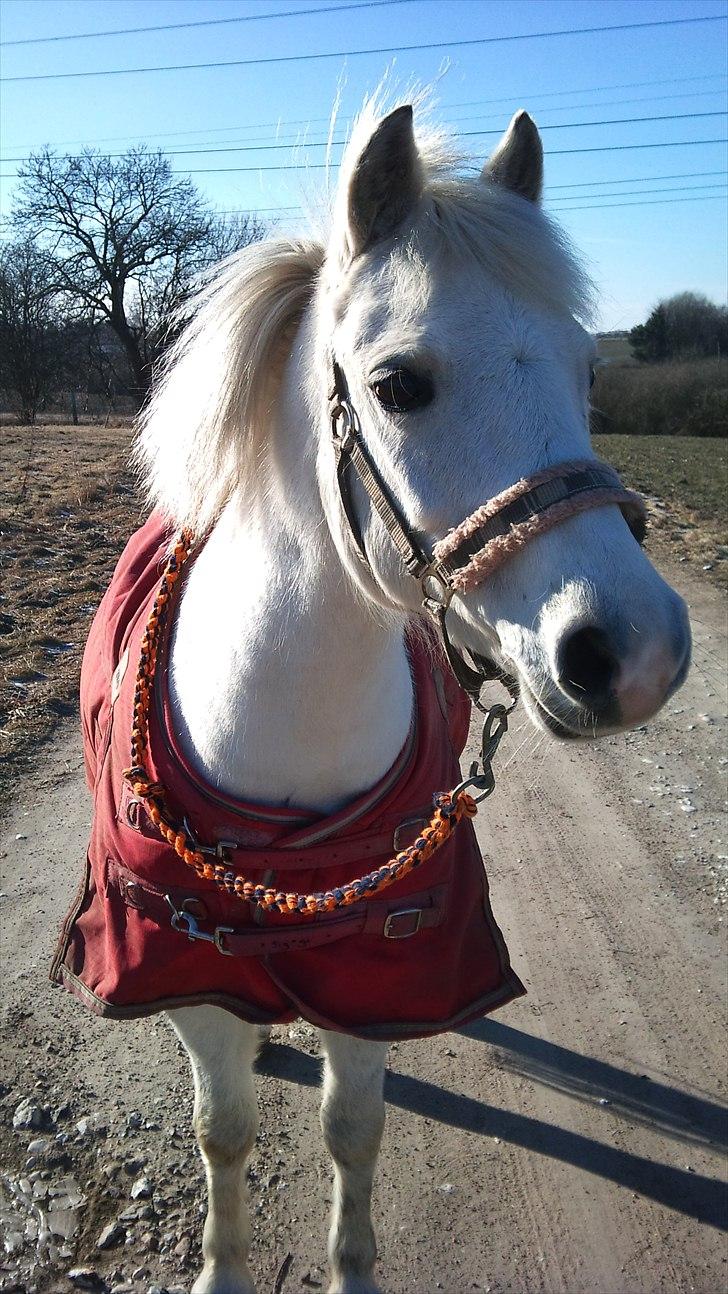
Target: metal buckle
{"points": [[436, 592], [410, 825], [221, 850], [218, 936], [186, 924], [346, 437], [403, 912]]}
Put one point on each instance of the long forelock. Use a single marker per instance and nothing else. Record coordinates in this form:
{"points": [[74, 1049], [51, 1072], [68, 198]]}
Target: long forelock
{"points": [[512, 239]]}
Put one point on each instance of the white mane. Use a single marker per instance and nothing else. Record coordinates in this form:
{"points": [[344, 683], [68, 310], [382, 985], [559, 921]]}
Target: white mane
{"points": [[203, 429]]}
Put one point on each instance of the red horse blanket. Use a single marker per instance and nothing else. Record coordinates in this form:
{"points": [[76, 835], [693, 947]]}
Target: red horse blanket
{"points": [[145, 934]]}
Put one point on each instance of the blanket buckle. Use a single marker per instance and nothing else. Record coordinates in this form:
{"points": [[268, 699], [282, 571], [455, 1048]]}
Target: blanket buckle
{"points": [[221, 850], [390, 925]]}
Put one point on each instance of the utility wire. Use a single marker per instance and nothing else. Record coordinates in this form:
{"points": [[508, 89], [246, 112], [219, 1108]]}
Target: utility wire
{"points": [[644, 193], [594, 206], [295, 140], [446, 108], [463, 134], [203, 22], [622, 148], [603, 206], [552, 152], [358, 53], [561, 197], [236, 211], [637, 179], [631, 193]]}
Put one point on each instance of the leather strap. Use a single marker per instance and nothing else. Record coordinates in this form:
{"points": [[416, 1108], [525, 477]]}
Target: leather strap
{"points": [[352, 455], [189, 916]]}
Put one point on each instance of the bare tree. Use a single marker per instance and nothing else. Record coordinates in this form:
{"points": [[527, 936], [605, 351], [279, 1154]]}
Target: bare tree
{"points": [[162, 289], [32, 351], [128, 237]]}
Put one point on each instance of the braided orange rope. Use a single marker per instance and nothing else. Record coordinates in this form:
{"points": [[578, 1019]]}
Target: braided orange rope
{"points": [[447, 810]]}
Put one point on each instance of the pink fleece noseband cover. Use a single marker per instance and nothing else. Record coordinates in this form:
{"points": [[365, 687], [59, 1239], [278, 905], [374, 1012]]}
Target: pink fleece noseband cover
{"points": [[502, 526]]}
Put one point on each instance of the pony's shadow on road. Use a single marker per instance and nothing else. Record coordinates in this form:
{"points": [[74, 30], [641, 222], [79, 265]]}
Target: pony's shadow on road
{"points": [[668, 1109], [679, 1114]]}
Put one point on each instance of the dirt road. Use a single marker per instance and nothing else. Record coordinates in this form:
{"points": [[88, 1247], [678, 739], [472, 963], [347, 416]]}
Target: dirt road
{"points": [[572, 1142]]}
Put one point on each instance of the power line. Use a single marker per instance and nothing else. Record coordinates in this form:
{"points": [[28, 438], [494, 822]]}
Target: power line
{"points": [[463, 134], [235, 211], [204, 22], [623, 148], [322, 166], [294, 140], [552, 152], [357, 53], [658, 202], [594, 206], [637, 179], [565, 197], [467, 103], [631, 193]]}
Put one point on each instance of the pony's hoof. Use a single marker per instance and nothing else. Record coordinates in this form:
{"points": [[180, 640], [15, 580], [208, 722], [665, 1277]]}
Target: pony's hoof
{"points": [[215, 1279]]}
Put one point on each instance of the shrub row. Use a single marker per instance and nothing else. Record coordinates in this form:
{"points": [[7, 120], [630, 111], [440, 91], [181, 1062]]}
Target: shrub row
{"points": [[683, 398]]}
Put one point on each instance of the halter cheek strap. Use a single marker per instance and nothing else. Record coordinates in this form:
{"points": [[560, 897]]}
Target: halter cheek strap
{"points": [[497, 530]]}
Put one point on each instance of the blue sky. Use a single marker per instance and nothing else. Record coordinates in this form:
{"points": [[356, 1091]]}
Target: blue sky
{"points": [[638, 253]]}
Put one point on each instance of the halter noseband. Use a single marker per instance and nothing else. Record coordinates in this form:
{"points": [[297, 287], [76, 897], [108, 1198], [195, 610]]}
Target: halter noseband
{"points": [[497, 530]]}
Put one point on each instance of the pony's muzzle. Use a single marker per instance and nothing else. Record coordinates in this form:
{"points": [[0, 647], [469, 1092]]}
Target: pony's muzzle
{"points": [[620, 678]]}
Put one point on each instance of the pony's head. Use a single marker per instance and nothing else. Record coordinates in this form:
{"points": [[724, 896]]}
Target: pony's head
{"points": [[451, 304]]}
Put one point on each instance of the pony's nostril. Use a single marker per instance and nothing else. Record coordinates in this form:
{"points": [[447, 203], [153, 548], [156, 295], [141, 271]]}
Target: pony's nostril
{"points": [[587, 666]]}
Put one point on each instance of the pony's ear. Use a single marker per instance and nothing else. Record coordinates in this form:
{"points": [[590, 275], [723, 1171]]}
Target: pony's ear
{"points": [[385, 183], [517, 162]]}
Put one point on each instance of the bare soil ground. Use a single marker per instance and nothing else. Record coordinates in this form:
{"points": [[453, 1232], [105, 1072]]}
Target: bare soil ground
{"points": [[573, 1142]]}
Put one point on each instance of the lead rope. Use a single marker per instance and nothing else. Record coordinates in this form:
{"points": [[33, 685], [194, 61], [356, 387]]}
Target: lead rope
{"points": [[449, 806]]}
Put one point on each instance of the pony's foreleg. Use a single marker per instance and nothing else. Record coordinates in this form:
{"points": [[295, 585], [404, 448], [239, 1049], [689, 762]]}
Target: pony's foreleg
{"points": [[222, 1050], [352, 1118]]}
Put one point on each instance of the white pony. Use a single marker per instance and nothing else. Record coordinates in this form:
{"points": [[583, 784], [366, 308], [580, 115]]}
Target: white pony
{"points": [[450, 301]]}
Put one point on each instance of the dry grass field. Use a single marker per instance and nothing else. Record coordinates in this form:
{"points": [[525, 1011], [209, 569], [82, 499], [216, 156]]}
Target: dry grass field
{"points": [[68, 503], [685, 481], [681, 398]]}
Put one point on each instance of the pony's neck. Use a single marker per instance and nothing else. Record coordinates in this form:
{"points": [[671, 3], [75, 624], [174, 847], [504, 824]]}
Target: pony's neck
{"points": [[285, 688]]}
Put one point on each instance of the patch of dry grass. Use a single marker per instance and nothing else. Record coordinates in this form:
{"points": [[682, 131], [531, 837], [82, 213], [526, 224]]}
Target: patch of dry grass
{"points": [[679, 398], [67, 506], [685, 481]]}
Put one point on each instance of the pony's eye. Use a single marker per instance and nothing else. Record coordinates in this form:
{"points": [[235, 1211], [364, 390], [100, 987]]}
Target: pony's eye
{"points": [[401, 390], [592, 376]]}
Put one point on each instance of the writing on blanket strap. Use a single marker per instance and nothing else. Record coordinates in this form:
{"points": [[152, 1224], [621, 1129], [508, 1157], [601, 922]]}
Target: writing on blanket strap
{"points": [[449, 807]]}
